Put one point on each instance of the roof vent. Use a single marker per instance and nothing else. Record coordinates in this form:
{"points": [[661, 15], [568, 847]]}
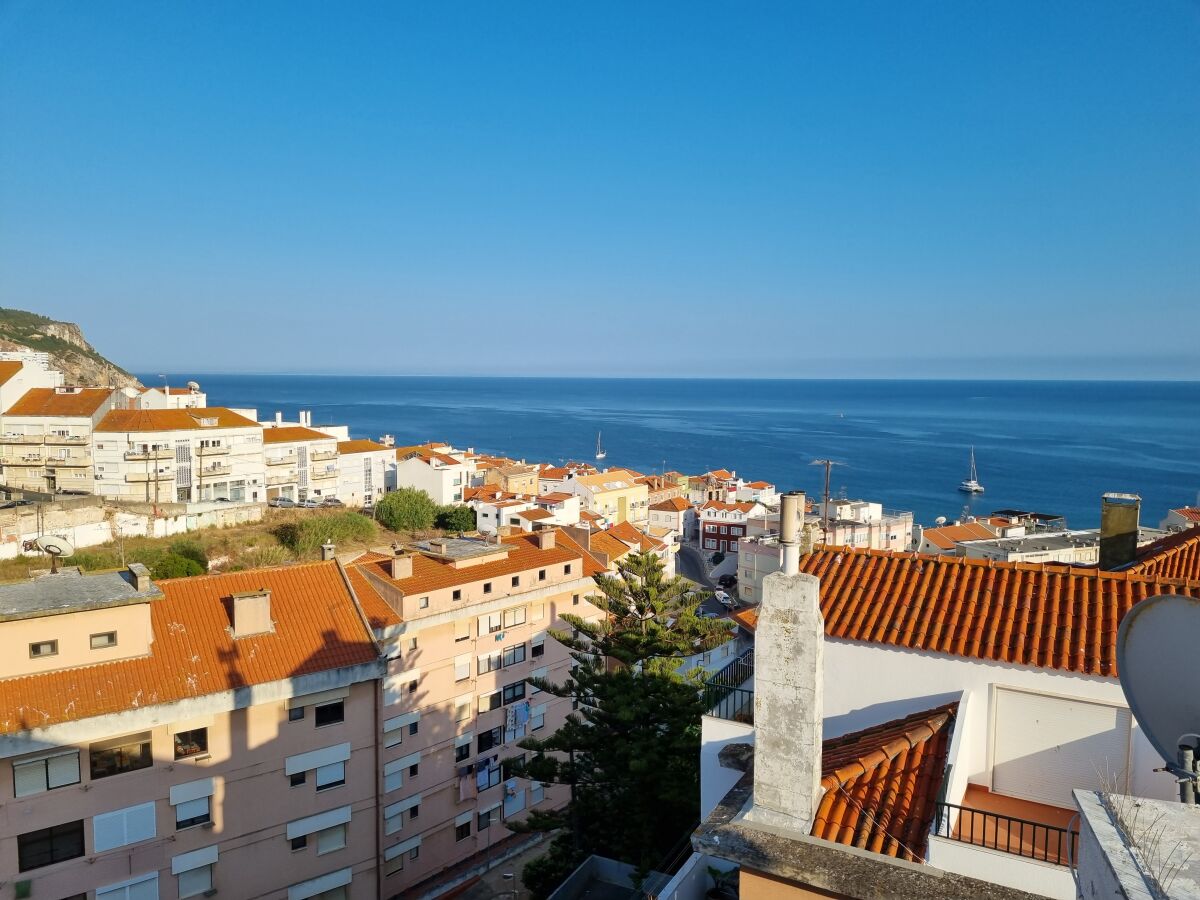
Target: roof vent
{"points": [[545, 539], [400, 566], [328, 551], [252, 613]]}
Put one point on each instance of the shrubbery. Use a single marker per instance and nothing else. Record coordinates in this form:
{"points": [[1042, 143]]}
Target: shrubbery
{"points": [[455, 518], [407, 509], [172, 565], [305, 537]]}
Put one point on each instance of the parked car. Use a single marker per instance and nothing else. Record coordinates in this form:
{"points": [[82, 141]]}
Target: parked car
{"points": [[707, 614], [281, 502], [727, 580], [310, 503], [725, 600], [332, 501]]}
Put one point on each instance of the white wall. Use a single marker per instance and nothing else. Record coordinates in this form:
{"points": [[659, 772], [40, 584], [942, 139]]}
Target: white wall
{"points": [[1001, 868], [715, 780]]}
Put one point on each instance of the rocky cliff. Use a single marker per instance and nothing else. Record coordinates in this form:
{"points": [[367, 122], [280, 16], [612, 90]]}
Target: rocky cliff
{"points": [[63, 341]]}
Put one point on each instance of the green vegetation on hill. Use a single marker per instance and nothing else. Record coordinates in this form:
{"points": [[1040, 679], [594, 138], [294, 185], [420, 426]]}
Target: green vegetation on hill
{"points": [[30, 330]]}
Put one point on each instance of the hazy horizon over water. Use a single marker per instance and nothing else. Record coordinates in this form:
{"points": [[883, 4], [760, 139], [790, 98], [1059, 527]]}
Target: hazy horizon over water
{"points": [[1054, 446]]}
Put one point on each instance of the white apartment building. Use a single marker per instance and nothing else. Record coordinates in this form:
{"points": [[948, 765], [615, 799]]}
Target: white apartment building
{"points": [[757, 492], [440, 473], [362, 471], [188, 397], [47, 437], [677, 515], [179, 455], [20, 373], [300, 462]]}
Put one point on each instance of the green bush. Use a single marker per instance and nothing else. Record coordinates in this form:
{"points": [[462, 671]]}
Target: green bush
{"points": [[407, 509], [175, 566], [257, 557], [190, 550], [455, 518], [305, 537]]}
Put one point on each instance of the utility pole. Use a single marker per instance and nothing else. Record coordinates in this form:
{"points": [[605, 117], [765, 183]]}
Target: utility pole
{"points": [[828, 464]]}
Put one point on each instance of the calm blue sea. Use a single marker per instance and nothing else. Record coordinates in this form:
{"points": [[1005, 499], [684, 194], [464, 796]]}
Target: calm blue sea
{"points": [[1050, 446]]}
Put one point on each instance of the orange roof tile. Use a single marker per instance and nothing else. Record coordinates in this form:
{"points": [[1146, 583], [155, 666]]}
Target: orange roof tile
{"points": [[743, 507], [9, 368], [759, 485], [1033, 614], [675, 504], [1173, 556], [49, 402], [610, 546], [591, 564], [172, 419], [285, 434], [948, 536], [359, 446], [534, 515], [881, 784], [1191, 513], [553, 497], [630, 534], [377, 610], [747, 618], [317, 627]]}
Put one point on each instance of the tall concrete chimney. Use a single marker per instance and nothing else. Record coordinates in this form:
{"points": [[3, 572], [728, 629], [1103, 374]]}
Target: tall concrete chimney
{"points": [[328, 551], [788, 692], [1118, 529], [791, 516]]}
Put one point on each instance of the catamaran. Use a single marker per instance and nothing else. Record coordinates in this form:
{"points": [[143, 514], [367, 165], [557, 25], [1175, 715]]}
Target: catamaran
{"points": [[972, 485], [600, 451]]}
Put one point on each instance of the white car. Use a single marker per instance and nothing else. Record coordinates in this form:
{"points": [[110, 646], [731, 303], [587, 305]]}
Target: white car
{"points": [[725, 600]]}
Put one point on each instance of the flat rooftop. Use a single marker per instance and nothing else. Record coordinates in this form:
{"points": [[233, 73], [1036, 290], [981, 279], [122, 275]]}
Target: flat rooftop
{"points": [[459, 548], [1059, 540], [71, 590]]}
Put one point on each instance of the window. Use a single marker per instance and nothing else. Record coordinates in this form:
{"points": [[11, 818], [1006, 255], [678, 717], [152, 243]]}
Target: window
{"points": [[414, 852], [296, 714], [542, 672], [457, 595], [413, 770], [514, 692], [121, 755], [488, 702], [537, 646], [710, 545], [491, 623], [331, 776], [487, 587], [297, 779], [567, 569], [47, 846], [413, 727], [490, 662], [331, 839], [45, 774], [461, 752], [490, 739], [462, 667], [485, 818], [190, 813], [541, 574], [722, 529], [123, 827], [463, 831], [514, 655], [330, 713], [537, 612], [516, 582], [462, 630], [574, 599], [487, 777], [537, 718], [462, 709], [414, 811], [423, 603], [299, 843], [103, 639], [195, 882], [514, 616], [43, 648], [412, 644], [710, 529], [191, 743]]}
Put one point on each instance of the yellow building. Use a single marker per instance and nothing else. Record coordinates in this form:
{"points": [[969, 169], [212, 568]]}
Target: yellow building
{"points": [[616, 495]]}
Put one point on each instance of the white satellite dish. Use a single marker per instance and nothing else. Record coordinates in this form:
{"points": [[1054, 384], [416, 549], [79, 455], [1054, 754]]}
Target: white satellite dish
{"points": [[939, 521], [1156, 656], [56, 547], [194, 386]]}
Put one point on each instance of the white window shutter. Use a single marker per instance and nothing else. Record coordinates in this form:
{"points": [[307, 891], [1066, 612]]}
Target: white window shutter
{"points": [[29, 778], [63, 770]]}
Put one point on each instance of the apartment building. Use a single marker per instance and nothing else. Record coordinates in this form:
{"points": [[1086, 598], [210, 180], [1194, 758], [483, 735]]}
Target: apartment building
{"points": [[722, 524], [677, 515], [661, 487], [46, 443], [616, 496], [362, 471], [443, 473], [300, 462], [514, 477], [552, 479], [22, 372], [166, 397], [170, 740], [179, 456], [719, 484], [463, 622]]}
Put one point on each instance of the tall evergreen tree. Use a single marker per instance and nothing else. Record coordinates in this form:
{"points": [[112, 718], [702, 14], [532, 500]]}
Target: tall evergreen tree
{"points": [[630, 749]]}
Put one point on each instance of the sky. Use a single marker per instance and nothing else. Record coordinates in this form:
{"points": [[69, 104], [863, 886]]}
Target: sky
{"points": [[840, 189]]}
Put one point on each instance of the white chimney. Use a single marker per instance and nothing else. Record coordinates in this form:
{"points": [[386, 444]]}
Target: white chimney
{"points": [[252, 613], [278, 417], [791, 515], [788, 690]]}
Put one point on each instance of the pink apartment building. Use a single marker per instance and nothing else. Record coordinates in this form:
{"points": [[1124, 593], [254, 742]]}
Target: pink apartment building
{"points": [[462, 622], [206, 734]]}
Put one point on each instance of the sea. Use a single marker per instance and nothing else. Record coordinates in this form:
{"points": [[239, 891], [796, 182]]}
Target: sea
{"points": [[1049, 446]]}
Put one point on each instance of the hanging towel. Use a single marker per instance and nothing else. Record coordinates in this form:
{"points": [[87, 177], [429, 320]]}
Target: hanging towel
{"points": [[521, 713]]}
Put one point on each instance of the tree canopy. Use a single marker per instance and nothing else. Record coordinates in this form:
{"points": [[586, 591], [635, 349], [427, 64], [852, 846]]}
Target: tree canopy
{"points": [[406, 509], [455, 518]]}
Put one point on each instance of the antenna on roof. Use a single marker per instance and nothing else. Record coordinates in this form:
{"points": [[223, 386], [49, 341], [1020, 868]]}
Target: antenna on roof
{"points": [[1156, 646], [56, 547]]}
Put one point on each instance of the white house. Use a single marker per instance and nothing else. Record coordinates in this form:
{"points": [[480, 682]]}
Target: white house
{"points": [[757, 492], [494, 511], [440, 473], [1179, 519], [21, 372], [300, 461], [615, 495], [722, 524], [165, 397], [362, 471], [677, 514], [179, 456], [46, 443]]}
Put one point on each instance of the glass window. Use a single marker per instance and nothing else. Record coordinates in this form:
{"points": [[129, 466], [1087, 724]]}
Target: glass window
{"points": [[457, 595], [103, 640], [490, 662], [47, 846], [423, 603], [463, 831], [487, 587], [541, 574], [461, 752], [489, 702], [299, 843], [462, 667], [514, 655], [43, 648], [489, 739], [296, 714], [485, 818], [195, 882], [297, 779], [192, 812], [331, 839], [516, 582], [567, 569], [45, 774], [538, 649], [121, 755], [514, 692], [330, 713], [191, 743], [331, 776], [514, 616]]}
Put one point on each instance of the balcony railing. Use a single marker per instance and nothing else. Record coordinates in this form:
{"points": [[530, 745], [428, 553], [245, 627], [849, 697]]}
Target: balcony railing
{"points": [[66, 439], [725, 694], [217, 469], [212, 451], [281, 460], [147, 455], [65, 461], [25, 459], [322, 473], [141, 477], [1008, 834], [318, 455], [23, 439], [284, 478]]}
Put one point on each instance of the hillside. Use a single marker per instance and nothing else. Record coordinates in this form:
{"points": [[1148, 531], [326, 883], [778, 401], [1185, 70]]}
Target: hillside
{"points": [[69, 352]]}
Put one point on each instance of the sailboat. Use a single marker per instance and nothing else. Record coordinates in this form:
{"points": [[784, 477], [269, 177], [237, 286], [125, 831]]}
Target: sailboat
{"points": [[972, 485], [600, 451]]}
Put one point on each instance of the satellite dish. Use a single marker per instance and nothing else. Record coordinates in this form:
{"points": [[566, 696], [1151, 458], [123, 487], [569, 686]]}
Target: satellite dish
{"points": [[939, 521], [1156, 655], [194, 386], [56, 547]]}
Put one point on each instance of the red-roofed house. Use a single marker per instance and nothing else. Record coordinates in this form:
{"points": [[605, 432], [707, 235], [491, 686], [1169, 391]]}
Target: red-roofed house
{"points": [[441, 473], [301, 462], [47, 437], [1182, 518], [722, 524], [362, 471]]}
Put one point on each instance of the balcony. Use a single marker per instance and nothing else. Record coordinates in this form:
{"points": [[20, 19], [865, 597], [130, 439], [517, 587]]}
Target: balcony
{"points": [[212, 451], [729, 694], [321, 474], [23, 439], [24, 459], [1019, 827], [214, 470], [318, 455], [149, 455], [59, 462], [143, 477], [68, 439], [289, 459], [282, 478]]}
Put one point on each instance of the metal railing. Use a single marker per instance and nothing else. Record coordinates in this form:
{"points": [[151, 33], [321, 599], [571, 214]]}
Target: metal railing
{"points": [[1008, 834], [724, 695]]}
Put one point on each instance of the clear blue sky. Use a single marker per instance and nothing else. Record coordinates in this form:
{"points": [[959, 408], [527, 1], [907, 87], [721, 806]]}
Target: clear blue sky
{"points": [[891, 188]]}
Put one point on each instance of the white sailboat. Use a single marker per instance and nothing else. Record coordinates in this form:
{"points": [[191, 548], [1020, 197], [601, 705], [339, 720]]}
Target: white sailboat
{"points": [[600, 451], [972, 485]]}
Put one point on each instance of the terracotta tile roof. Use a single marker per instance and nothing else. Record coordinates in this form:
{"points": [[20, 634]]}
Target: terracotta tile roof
{"points": [[1173, 556], [287, 433], [317, 627], [759, 485], [533, 515], [722, 474], [948, 536], [553, 497], [49, 402], [881, 784], [621, 478], [630, 534], [1034, 614], [743, 507], [591, 564], [431, 574], [1191, 513], [9, 368], [488, 493], [675, 504], [376, 609], [587, 515], [172, 391], [610, 546], [172, 419], [747, 618], [359, 446]]}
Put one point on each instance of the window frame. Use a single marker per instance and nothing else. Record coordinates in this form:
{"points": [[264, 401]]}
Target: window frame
{"points": [[338, 705], [203, 745], [34, 653], [50, 834], [102, 634], [146, 754]]}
